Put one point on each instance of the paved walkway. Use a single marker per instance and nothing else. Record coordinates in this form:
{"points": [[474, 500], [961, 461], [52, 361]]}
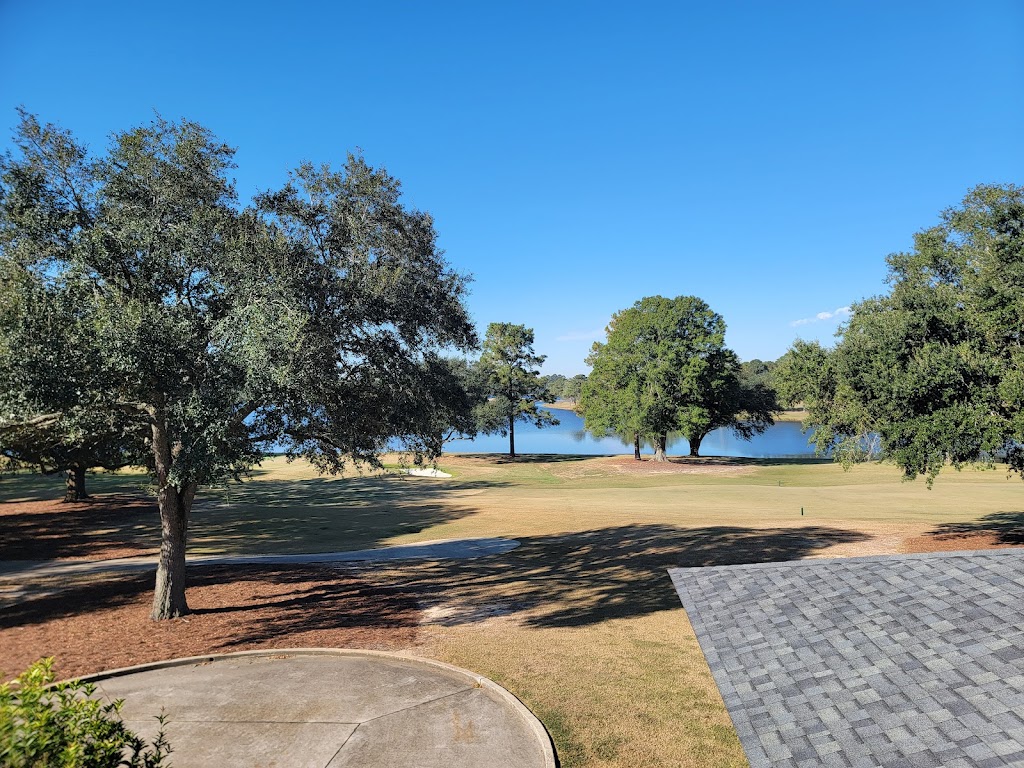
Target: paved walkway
{"points": [[314, 709], [429, 550], [914, 661]]}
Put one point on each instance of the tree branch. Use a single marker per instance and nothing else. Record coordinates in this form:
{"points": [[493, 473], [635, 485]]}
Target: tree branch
{"points": [[41, 421]]}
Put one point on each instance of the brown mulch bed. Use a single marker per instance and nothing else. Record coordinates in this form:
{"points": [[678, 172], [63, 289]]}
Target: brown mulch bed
{"points": [[92, 625], [952, 542], [97, 529]]}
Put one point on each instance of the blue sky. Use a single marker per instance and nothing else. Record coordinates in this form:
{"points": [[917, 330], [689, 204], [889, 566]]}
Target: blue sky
{"points": [[579, 156]]}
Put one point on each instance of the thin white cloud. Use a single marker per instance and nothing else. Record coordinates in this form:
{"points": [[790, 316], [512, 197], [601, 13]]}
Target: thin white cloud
{"points": [[581, 335], [838, 314]]}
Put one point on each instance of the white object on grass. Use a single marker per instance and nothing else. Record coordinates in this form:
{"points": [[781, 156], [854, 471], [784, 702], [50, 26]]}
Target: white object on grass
{"points": [[425, 473]]}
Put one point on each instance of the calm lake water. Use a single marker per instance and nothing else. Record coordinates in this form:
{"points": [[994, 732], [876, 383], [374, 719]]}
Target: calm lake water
{"points": [[780, 441]]}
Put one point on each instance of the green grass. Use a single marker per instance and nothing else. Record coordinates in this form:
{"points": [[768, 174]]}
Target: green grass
{"points": [[287, 508], [32, 486]]}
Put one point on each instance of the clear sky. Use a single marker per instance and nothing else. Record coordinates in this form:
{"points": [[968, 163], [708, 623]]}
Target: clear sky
{"points": [[579, 156]]}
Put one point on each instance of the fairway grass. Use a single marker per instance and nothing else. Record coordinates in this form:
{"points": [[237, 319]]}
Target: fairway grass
{"points": [[289, 508], [581, 620]]}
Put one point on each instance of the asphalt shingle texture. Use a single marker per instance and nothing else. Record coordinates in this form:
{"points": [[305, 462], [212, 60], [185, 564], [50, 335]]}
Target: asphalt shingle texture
{"points": [[912, 661]]}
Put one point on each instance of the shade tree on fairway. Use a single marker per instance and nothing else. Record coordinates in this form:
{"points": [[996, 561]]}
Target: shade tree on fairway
{"points": [[309, 320], [931, 373], [512, 371], [611, 401], [73, 444], [46, 361], [663, 368]]}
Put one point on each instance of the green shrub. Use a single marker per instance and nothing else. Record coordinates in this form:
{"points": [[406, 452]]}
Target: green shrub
{"points": [[47, 725]]}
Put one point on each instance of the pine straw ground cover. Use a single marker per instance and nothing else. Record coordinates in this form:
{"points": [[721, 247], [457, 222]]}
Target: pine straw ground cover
{"points": [[92, 624], [119, 525], [580, 621]]}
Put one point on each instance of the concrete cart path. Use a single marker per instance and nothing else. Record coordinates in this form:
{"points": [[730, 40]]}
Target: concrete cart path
{"points": [[914, 661], [428, 550], [328, 709]]}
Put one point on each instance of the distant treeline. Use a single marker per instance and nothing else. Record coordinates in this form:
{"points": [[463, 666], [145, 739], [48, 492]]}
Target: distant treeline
{"points": [[564, 387]]}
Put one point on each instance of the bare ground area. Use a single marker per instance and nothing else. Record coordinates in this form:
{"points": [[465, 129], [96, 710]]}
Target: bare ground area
{"points": [[698, 465], [95, 624], [679, 465]]}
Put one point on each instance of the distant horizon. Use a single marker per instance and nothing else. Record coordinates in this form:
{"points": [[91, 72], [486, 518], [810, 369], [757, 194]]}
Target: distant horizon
{"points": [[577, 158]]}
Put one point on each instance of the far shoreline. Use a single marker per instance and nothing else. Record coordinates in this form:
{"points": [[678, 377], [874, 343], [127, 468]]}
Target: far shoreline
{"points": [[561, 405]]}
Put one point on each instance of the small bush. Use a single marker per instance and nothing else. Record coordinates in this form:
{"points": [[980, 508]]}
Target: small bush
{"points": [[47, 725]]}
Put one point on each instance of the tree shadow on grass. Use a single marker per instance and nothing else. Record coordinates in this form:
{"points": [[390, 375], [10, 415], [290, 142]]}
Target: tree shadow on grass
{"points": [[26, 486], [326, 514], [563, 580], [1004, 527], [267, 516], [610, 573], [795, 461]]}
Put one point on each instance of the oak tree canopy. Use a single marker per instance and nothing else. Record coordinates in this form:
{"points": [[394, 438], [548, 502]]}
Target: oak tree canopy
{"points": [[309, 321]]}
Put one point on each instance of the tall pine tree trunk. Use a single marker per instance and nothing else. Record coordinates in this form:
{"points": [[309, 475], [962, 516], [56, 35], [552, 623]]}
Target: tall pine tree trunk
{"points": [[636, 446], [660, 446], [175, 504], [75, 489], [511, 436]]}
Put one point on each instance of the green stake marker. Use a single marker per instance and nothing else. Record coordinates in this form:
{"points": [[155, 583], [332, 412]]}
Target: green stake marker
{"points": [[801, 511]]}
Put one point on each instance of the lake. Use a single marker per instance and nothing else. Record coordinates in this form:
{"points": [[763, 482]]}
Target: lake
{"points": [[784, 440]]}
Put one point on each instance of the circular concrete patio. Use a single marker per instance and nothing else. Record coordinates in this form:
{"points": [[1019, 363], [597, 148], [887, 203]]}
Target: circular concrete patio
{"points": [[327, 708]]}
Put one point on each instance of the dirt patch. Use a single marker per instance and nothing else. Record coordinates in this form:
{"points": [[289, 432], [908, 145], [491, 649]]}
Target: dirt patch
{"points": [[96, 529], [458, 613], [94, 625], [675, 466]]}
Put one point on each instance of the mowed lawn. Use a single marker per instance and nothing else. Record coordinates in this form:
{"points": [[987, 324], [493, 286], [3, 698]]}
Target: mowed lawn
{"points": [[581, 621]]}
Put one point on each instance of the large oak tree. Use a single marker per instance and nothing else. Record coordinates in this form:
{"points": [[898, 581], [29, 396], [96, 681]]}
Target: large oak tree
{"points": [[308, 320], [663, 368], [45, 362], [931, 373]]}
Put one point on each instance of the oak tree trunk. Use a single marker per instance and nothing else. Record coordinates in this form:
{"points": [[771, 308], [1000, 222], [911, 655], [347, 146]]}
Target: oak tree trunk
{"points": [[75, 489], [695, 445], [636, 447], [660, 445], [175, 505], [511, 436], [169, 597]]}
